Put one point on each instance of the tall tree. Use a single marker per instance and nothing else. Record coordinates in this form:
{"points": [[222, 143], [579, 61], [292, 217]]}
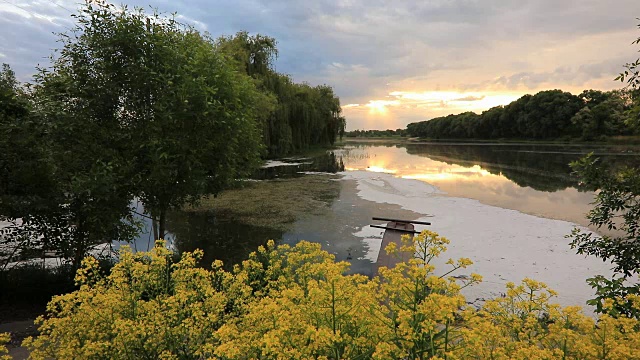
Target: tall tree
{"points": [[301, 115], [603, 114], [154, 102], [55, 192]]}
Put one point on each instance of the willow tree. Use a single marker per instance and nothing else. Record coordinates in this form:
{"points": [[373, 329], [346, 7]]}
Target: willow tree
{"points": [[162, 96], [303, 115]]}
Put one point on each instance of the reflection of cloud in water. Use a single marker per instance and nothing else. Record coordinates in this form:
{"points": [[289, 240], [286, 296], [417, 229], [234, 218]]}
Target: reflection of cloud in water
{"points": [[372, 240], [526, 181], [450, 174]]}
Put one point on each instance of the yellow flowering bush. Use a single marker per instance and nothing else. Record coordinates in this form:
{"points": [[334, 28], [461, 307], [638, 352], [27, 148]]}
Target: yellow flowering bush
{"points": [[299, 303], [4, 338]]}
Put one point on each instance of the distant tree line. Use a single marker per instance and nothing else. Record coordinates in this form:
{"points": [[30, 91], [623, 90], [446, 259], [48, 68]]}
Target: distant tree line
{"points": [[551, 114], [376, 133]]}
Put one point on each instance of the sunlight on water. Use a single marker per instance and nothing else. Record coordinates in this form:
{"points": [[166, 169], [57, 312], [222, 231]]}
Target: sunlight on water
{"points": [[380, 169], [526, 178]]}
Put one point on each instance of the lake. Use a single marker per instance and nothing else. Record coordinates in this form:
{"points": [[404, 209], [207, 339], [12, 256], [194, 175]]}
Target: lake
{"points": [[507, 207], [535, 179]]}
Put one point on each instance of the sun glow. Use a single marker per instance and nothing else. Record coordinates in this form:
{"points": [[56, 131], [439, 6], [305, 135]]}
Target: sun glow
{"points": [[451, 101], [401, 107], [454, 99], [471, 173], [380, 106], [380, 169]]}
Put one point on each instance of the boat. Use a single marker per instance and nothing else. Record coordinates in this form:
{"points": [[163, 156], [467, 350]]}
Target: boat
{"points": [[393, 232]]}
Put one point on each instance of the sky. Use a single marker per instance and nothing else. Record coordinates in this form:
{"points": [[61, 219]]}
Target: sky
{"points": [[392, 62]]}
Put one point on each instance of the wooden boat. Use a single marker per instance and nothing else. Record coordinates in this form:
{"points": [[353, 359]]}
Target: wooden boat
{"points": [[393, 232]]}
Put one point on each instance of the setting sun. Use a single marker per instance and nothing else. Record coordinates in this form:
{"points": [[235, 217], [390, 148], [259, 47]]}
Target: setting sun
{"points": [[380, 106]]}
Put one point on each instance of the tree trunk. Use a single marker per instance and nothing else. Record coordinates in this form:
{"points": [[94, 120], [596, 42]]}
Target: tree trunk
{"points": [[162, 224], [154, 226]]}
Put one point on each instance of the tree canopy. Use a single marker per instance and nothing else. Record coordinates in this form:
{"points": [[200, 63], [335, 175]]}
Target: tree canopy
{"points": [[150, 108]]}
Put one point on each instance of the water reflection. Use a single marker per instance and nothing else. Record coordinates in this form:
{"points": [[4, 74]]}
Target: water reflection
{"points": [[220, 237], [223, 237], [534, 179], [328, 162]]}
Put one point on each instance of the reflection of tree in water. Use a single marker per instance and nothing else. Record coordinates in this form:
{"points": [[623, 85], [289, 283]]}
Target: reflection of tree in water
{"points": [[221, 238], [541, 168], [328, 162]]}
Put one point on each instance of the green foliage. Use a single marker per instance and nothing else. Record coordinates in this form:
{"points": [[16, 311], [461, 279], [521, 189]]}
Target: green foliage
{"points": [[300, 116], [24, 176], [253, 54], [154, 105], [616, 291], [548, 114], [64, 197], [616, 208], [603, 114]]}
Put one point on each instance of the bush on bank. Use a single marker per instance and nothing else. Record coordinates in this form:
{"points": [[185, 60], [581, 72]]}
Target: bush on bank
{"points": [[298, 302]]}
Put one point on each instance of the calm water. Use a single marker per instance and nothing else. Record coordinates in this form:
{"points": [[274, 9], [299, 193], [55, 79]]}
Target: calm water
{"points": [[534, 179]]}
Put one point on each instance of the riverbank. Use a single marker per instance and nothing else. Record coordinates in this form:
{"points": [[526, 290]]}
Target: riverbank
{"points": [[614, 140]]}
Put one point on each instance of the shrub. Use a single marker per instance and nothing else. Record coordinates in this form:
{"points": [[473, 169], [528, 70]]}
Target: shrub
{"points": [[297, 302], [4, 338]]}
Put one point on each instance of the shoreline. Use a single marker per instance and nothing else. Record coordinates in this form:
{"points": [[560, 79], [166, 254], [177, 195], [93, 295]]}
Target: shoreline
{"points": [[632, 141]]}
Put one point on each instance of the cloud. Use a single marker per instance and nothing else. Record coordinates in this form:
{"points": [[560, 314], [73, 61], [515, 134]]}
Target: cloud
{"points": [[470, 98], [27, 33], [369, 49]]}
